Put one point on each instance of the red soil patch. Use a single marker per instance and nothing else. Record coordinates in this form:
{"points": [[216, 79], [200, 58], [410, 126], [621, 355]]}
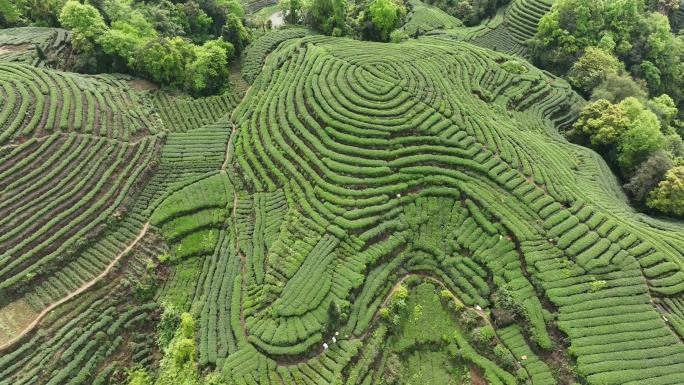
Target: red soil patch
{"points": [[476, 376]]}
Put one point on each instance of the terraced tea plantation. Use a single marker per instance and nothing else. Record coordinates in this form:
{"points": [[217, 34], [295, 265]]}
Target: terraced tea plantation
{"points": [[366, 213], [74, 149]]}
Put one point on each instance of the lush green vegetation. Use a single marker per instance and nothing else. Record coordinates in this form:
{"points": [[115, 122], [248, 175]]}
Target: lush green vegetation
{"points": [[360, 108], [623, 55], [365, 212], [640, 39], [179, 45], [368, 20]]}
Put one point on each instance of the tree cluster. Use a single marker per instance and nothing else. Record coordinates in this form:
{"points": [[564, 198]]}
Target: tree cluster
{"points": [[178, 365], [623, 56], [638, 137], [610, 35], [184, 45], [327, 16], [368, 20], [39, 13], [395, 308], [380, 18]]}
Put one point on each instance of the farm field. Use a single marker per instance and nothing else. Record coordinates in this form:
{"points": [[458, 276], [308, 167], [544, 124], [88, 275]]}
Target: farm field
{"points": [[359, 213]]}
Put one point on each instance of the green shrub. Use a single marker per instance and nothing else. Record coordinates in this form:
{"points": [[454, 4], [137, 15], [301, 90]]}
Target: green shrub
{"points": [[514, 67]]}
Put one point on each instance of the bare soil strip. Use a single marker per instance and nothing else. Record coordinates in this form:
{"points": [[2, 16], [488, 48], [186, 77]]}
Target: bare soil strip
{"points": [[11, 48]]}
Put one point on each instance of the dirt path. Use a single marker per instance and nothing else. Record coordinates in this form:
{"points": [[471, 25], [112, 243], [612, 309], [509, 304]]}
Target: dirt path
{"points": [[78, 291], [235, 201], [243, 262], [232, 132], [230, 143]]}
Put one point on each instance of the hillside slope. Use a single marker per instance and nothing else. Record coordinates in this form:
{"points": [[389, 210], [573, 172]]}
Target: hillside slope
{"points": [[347, 170], [362, 138]]}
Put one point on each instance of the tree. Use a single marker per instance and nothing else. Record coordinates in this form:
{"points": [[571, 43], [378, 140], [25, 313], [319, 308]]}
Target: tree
{"points": [[137, 375], [668, 197], [215, 378], [632, 108], [616, 88], [662, 6], [385, 15], [392, 370], [291, 9], [629, 124], [400, 293], [218, 11], [648, 175], [121, 12], [40, 13], [9, 14], [622, 18], [85, 21], [187, 326], [674, 145], [128, 30], [318, 13], [235, 33], [326, 15], [471, 12], [339, 14], [602, 121], [233, 7], [207, 73], [397, 36], [651, 74], [122, 39], [167, 325], [591, 68], [642, 41], [664, 107], [165, 18], [503, 299], [171, 62], [570, 26], [333, 314], [642, 138], [464, 11], [178, 365], [184, 351], [197, 22], [663, 54]]}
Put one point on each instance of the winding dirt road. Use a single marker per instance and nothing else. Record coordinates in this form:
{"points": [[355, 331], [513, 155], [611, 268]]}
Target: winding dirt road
{"points": [[78, 291]]}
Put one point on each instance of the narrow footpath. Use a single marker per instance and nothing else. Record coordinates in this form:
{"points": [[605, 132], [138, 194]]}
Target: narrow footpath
{"points": [[78, 291]]}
